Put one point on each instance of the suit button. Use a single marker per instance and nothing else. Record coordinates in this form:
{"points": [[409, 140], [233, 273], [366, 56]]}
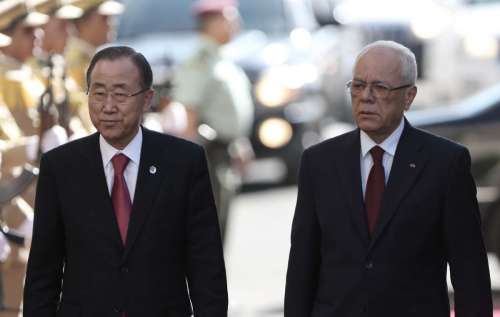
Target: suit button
{"points": [[124, 269], [369, 265]]}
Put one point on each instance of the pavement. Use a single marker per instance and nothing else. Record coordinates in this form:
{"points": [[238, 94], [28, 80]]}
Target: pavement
{"points": [[258, 243]]}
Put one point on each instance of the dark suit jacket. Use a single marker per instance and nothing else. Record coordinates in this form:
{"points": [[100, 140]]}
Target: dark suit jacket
{"points": [[78, 265], [429, 217]]}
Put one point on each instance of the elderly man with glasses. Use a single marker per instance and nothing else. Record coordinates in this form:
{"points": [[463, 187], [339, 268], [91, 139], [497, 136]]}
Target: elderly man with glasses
{"points": [[382, 210]]}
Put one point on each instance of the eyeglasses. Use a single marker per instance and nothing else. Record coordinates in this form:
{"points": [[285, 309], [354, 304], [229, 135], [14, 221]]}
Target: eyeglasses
{"points": [[379, 90], [100, 95]]}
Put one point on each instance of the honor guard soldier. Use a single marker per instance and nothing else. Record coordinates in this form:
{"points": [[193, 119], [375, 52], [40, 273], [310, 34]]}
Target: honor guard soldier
{"points": [[93, 28], [216, 95], [20, 89], [20, 92], [14, 151], [50, 67]]}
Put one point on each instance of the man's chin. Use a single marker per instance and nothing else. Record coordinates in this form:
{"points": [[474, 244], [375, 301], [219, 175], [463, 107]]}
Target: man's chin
{"points": [[368, 125], [109, 135]]}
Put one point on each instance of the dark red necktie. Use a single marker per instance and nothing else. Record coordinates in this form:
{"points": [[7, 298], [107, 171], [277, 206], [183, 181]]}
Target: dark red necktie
{"points": [[120, 195], [375, 188]]}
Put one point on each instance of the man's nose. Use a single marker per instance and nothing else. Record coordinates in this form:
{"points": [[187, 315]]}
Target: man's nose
{"points": [[109, 102], [367, 93]]}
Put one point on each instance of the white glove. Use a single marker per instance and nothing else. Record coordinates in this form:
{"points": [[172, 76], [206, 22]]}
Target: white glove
{"points": [[4, 248], [54, 137], [26, 228], [32, 147]]}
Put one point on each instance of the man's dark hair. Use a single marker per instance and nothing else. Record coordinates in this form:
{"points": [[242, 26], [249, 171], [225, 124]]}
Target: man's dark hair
{"points": [[116, 52]]}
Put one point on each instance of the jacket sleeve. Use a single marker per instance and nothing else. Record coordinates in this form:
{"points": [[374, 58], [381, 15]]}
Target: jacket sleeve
{"points": [[45, 265], [206, 274], [304, 259], [464, 244]]}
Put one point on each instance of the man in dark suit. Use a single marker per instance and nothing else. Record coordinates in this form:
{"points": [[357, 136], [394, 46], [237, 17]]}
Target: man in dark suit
{"points": [[383, 209], [125, 221]]}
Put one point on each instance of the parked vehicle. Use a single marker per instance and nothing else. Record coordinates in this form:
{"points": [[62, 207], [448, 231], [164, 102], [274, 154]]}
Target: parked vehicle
{"points": [[282, 52], [475, 122]]}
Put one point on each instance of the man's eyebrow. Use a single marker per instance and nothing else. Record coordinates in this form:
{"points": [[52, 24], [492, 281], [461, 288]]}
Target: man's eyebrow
{"points": [[102, 85], [98, 85], [119, 86], [375, 82]]}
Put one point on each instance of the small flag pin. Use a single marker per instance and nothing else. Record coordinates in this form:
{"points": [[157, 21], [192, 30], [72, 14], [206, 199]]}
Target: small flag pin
{"points": [[152, 169]]}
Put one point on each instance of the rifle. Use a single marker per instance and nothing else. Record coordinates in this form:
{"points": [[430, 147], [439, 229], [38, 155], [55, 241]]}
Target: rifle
{"points": [[12, 235], [18, 185], [11, 190], [62, 104], [45, 104]]}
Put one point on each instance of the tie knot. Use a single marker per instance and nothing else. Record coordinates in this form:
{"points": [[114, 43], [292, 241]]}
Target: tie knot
{"points": [[120, 162], [377, 153]]}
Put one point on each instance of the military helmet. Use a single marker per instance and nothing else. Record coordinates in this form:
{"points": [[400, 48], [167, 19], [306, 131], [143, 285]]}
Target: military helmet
{"points": [[78, 8], [13, 12]]}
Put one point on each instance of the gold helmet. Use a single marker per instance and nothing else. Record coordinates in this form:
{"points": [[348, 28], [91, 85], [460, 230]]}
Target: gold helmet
{"points": [[13, 12], [78, 8], [51, 8]]}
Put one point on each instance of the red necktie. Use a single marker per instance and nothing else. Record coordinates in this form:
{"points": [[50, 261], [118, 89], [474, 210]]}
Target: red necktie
{"points": [[375, 188], [120, 195]]}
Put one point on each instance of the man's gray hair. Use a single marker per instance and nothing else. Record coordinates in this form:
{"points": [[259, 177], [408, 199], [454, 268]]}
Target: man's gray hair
{"points": [[408, 61]]}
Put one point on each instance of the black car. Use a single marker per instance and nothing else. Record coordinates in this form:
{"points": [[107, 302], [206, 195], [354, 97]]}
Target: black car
{"points": [[475, 122], [279, 48]]}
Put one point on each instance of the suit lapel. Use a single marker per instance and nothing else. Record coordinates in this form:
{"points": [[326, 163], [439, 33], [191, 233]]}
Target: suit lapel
{"points": [[99, 194], [152, 170], [409, 161], [349, 170]]}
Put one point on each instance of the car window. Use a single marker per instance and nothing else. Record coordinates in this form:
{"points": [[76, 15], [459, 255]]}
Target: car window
{"points": [[152, 16]]}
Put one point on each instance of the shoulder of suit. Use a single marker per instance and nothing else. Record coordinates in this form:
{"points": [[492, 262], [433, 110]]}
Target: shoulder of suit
{"points": [[170, 142], [74, 147], [437, 143], [335, 143]]}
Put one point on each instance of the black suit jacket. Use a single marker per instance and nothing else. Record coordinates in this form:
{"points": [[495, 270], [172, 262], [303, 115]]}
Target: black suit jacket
{"points": [[429, 217], [78, 265]]}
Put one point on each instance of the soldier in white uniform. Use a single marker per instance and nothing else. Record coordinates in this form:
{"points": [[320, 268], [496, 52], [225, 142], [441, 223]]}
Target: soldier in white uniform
{"points": [[216, 95]]}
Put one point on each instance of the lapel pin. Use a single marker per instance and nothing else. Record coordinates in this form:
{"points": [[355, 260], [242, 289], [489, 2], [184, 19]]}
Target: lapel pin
{"points": [[412, 165], [152, 169]]}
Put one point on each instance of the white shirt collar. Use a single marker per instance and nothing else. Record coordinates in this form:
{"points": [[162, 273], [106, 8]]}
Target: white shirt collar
{"points": [[389, 145], [132, 150]]}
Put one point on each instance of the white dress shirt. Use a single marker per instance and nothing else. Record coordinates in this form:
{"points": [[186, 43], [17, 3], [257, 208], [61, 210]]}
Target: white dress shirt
{"points": [[389, 145], [132, 151]]}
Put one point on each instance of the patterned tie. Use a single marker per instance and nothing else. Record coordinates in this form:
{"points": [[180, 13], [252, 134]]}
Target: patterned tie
{"points": [[375, 188], [120, 195]]}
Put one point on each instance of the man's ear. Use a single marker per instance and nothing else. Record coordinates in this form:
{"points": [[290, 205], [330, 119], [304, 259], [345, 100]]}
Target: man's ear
{"points": [[410, 95], [148, 97]]}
